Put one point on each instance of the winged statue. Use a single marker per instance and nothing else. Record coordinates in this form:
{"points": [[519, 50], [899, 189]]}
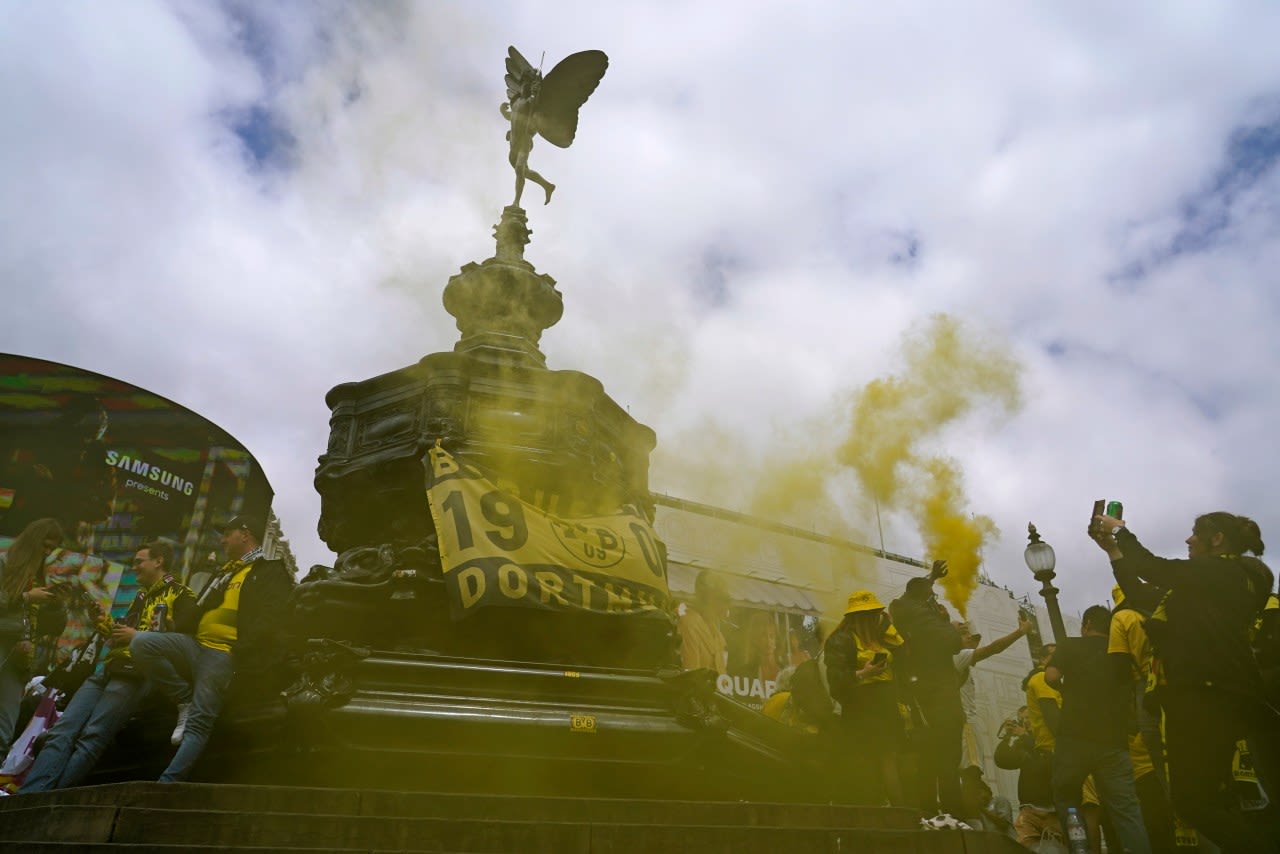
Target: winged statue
{"points": [[546, 106]]}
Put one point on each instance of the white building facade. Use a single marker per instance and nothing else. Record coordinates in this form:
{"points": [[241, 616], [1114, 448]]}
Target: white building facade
{"points": [[793, 574]]}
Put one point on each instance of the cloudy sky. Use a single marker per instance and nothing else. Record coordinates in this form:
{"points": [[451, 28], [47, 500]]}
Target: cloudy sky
{"points": [[240, 205]]}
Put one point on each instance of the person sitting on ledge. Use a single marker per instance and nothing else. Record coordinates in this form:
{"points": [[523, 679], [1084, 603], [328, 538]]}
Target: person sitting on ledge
{"points": [[104, 703], [240, 612]]}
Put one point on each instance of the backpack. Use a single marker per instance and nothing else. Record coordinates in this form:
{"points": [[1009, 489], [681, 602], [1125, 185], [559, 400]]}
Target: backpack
{"points": [[810, 691]]}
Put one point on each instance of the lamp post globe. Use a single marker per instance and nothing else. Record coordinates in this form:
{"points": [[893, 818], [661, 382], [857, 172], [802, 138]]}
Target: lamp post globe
{"points": [[1041, 561], [1039, 554]]}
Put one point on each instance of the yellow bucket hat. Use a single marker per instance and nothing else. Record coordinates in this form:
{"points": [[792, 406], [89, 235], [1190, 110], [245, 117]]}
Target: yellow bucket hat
{"points": [[863, 600]]}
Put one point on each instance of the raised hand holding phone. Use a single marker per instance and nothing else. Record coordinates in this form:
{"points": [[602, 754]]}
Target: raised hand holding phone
{"points": [[1099, 507], [1106, 520]]}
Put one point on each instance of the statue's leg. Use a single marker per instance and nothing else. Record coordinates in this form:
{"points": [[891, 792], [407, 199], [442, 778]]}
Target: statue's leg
{"points": [[520, 163], [543, 183]]}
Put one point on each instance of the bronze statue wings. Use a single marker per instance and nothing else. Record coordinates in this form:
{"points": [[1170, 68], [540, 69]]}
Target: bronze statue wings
{"points": [[560, 94]]}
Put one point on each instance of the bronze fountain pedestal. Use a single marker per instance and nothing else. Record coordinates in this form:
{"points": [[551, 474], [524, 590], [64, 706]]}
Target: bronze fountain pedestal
{"points": [[554, 439], [511, 700]]}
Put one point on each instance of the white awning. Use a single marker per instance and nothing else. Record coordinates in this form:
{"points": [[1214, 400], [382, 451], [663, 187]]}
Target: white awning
{"points": [[756, 592]]}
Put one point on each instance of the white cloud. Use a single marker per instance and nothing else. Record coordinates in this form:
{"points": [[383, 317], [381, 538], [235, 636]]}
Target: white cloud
{"points": [[1028, 153]]}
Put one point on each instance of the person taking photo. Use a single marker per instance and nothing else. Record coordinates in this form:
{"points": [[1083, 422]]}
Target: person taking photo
{"points": [[1207, 680]]}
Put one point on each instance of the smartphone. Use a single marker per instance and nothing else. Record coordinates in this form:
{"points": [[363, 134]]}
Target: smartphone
{"points": [[879, 658], [1099, 507]]}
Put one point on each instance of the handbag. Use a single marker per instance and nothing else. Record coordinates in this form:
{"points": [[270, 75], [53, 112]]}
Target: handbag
{"points": [[50, 620], [13, 625]]}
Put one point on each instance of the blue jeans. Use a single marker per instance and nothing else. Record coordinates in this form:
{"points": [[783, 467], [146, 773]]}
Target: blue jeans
{"points": [[98, 710], [185, 672], [1112, 770], [13, 678]]}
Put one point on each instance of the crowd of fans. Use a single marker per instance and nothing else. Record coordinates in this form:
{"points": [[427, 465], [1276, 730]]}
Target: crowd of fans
{"points": [[1139, 724], [1142, 721], [172, 643]]}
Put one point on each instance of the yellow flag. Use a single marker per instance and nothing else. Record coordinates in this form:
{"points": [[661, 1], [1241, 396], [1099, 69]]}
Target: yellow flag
{"points": [[498, 550]]}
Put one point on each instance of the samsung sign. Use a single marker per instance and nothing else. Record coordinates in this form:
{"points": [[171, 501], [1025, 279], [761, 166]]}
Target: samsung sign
{"points": [[117, 465], [149, 471]]}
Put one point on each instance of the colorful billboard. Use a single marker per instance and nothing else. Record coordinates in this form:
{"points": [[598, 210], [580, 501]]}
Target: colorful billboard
{"points": [[98, 580], [117, 465]]}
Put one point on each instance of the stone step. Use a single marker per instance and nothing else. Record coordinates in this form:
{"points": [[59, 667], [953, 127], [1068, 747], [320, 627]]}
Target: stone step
{"points": [[374, 803], [881, 845], [110, 847], [136, 827]]}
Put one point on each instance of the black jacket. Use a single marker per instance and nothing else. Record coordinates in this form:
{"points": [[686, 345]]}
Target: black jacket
{"points": [[841, 654], [1266, 651], [932, 638], [260, 621], [1201, 629], [1035, 769]]}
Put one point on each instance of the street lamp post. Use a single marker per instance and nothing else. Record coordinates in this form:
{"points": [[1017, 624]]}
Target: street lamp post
{"points": [[1041, 561]]}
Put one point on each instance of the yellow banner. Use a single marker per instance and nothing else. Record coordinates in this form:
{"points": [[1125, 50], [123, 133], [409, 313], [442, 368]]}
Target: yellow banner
{"points": [[499, 550]]}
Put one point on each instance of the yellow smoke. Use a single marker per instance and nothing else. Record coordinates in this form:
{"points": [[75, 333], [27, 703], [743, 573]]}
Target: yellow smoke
{"points": [[948, 374], [789, 479], [951, 534], [887, 436]]}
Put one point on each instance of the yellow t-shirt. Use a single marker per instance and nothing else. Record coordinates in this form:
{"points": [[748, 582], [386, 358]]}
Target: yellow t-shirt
{"points": [[701, 643], [1128, 636], [1037, 690], [217, 628], [886, 644]]}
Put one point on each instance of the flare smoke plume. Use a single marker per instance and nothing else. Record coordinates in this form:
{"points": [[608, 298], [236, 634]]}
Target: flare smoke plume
{"points": [[948, 374]]}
